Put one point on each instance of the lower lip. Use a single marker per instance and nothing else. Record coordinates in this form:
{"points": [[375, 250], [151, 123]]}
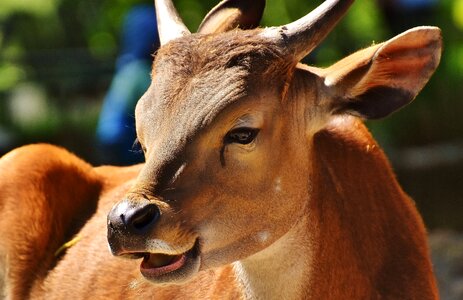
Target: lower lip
{"points": [[156, 272]]}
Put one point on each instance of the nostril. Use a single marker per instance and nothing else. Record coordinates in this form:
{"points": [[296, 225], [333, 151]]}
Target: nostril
{"points": [[144, 217]]}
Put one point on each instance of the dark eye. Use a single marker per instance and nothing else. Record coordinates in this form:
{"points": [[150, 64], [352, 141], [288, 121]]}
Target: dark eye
{"points": [[241, 136]]}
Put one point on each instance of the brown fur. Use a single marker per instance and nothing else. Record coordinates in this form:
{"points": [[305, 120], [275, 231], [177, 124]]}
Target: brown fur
{"points": [[309, 209], [382, 253]]}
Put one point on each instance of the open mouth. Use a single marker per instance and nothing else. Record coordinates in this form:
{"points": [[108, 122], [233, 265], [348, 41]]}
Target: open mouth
{"points": [[161, 267], [154, 265]]}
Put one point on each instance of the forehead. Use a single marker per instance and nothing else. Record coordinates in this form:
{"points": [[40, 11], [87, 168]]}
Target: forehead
{"points": [[196, 77]]}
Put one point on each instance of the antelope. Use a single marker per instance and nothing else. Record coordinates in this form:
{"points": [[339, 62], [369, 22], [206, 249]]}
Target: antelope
{"points": [[260, 182]]}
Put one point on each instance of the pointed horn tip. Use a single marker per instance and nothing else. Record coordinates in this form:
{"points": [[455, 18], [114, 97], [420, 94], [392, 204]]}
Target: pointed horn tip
{"points": [[170, 24]]}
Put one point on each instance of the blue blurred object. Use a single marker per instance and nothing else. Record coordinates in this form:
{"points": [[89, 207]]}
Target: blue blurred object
{"points": [[116, 125], [416, 4], [139, 35]]}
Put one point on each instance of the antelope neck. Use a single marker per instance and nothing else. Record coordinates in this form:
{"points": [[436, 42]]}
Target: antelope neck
{"points": [[280, 270]]}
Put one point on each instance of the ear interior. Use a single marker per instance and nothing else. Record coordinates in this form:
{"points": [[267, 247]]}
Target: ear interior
{"points": [[231, 14], [379, 80]]}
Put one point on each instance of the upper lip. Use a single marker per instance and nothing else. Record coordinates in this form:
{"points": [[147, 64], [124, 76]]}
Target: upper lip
{"points": [[154, 246]]}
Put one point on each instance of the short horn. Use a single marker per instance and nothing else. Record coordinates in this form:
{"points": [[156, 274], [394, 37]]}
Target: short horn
{"points": [[300, 37], [170, 25]]}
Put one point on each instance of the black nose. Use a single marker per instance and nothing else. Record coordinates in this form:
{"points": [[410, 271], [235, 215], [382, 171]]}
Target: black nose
{"points": [[134, 217]]}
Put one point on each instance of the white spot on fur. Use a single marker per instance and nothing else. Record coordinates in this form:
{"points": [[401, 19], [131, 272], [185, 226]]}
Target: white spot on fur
{"points": [[177, 174], [278, 185], [263, 236], [134, 284]]}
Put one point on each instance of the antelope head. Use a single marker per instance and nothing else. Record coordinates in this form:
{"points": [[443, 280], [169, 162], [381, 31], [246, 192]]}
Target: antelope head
{"points": [[227, 126]]}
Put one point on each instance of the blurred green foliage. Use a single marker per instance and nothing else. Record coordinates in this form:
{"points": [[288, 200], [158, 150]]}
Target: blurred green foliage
{"points": [[68, 48]]}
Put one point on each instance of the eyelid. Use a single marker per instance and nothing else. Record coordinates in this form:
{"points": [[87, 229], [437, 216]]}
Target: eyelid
{"points": [[243, 128], [245, 121]]}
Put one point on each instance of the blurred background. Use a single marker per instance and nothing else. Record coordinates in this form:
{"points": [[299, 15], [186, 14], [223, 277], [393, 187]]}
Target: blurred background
{"points": [[59, 61]]}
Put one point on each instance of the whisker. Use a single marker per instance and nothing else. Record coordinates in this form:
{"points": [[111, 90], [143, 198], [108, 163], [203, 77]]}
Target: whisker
{"points": [[136, 146]]}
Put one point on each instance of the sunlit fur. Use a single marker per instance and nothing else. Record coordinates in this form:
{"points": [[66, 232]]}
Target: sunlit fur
{"points": [[309, 210]]}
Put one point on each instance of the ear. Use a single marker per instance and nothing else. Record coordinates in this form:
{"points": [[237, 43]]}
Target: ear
{"points": [[230, 14], [374, 82]]}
